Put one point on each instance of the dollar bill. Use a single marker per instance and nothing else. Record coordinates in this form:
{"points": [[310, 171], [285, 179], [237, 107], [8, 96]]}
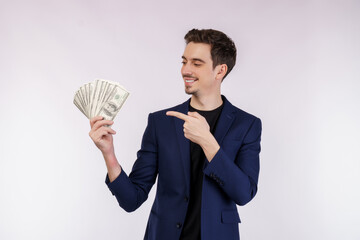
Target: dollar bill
{"points": [[113, 104], [100, 98]]}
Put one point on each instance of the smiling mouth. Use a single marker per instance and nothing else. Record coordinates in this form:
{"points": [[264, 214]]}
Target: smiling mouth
{"points": [[190, 81]]}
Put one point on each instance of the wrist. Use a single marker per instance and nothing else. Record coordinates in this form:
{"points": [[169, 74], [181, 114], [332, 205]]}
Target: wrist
{"points": [[108, 153], [112, 165], [210, 147]]}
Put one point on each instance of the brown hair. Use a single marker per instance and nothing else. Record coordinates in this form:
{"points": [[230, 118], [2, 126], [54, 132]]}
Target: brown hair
{"points": [[223, 50]]}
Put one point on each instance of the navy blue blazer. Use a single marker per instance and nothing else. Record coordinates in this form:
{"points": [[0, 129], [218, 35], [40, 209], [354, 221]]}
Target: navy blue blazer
{"points": [[230, 178]]}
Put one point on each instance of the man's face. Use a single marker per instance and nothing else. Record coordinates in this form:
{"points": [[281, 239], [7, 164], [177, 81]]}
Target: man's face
{"points": [[197, 70], [110, 107]]}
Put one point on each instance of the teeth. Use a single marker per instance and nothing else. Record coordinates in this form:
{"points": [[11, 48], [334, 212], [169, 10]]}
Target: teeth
{"points": [[189, 81]]}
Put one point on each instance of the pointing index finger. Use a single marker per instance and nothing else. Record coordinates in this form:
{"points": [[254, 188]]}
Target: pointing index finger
{"points": [[177, 114]]}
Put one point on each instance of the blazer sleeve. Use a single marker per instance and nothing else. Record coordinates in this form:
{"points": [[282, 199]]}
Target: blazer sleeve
{"points": [[239, 178], [131, 191]]}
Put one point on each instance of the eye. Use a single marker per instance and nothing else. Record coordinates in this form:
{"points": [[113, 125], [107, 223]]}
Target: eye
{"points": [[183, 62], [197, 64]]}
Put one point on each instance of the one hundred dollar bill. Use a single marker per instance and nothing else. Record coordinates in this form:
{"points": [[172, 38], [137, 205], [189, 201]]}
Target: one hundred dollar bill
{"points": [[100, 98]]}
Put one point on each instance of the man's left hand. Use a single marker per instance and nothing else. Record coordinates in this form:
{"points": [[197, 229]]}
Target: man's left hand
{"points": [[197, 130]]}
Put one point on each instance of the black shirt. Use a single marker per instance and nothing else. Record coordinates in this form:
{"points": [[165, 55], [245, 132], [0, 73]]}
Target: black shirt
{"points": [[191, 229]]}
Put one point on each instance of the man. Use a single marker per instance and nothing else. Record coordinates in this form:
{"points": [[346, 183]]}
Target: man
{"points": [[205, 152]]}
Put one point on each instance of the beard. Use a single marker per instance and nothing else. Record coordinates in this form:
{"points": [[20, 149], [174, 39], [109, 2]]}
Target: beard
{"points": [[190, 91]]}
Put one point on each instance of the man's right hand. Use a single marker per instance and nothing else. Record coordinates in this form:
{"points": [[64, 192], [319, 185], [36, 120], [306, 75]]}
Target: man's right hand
{"points": [[101, 134]]}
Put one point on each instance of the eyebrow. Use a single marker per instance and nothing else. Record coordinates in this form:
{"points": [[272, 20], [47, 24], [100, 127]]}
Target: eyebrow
{"points": [[194, 59]]}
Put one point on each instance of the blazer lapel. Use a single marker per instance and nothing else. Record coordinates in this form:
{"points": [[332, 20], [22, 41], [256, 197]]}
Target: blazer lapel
{"points": [[225, 120], [184, 143]]}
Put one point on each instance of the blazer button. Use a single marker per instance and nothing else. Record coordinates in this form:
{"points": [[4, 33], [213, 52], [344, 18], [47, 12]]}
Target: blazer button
{"points": [[186, 199], [178, 225]]}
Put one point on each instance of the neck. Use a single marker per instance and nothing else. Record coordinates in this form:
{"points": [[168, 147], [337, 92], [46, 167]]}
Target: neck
{"points": [[206, 103]]}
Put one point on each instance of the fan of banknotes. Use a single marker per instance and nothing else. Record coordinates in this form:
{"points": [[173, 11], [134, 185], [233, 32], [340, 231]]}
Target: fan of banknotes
{"points": [[100, 98]]}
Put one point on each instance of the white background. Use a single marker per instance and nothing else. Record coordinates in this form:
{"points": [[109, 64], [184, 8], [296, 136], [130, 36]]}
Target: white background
{"points": [[298, 70]]}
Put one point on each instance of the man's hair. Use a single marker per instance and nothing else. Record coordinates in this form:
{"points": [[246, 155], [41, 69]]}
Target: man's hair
{"points": [[223, 50]]}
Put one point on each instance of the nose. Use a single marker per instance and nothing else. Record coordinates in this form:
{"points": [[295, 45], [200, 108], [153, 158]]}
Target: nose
{"points": [[186, 69]]}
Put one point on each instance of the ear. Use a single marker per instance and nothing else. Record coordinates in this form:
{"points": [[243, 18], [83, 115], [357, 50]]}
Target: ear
{"points": [[221, 70]]}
